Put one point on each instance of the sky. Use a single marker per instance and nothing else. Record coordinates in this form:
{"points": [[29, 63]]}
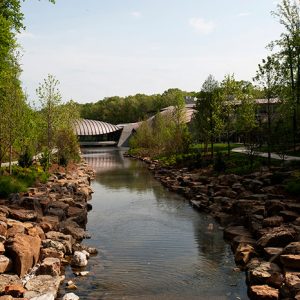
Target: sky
{"points": [[103, 48]]}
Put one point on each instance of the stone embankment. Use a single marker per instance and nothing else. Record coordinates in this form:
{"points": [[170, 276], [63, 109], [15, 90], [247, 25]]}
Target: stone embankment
{"points": [[260, 221], [41, 231]]}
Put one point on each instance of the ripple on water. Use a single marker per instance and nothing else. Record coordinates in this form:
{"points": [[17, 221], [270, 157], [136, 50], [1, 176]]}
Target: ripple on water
{"points": [[153, 245]]}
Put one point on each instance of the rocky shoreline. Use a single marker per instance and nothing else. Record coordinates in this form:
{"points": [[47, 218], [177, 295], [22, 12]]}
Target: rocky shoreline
{"points": [[41, 232], [261, 223]]}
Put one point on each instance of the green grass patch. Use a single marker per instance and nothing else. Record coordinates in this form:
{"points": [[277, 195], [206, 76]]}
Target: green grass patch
{"points": [[21, 179]]}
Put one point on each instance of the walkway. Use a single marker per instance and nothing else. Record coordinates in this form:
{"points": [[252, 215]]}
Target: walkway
{"points": [[243, 150]]}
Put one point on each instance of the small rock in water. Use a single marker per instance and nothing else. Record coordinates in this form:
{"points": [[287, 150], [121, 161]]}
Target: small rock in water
{"points": [[82, 273], [71, 285], [70, 296], [79, 259]]}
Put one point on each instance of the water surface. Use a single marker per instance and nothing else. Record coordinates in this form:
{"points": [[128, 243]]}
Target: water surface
{"points": [[152, 244]]}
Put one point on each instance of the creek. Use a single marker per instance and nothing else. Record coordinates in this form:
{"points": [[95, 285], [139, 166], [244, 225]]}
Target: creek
{"points": [[152, 244]]}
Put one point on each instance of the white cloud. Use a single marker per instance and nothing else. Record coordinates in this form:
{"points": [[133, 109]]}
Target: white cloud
{"points": [[136, 14], [202, 26], [244, 14]]}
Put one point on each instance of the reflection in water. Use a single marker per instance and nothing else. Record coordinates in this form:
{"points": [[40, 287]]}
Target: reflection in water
{"points": [[153, 244]]}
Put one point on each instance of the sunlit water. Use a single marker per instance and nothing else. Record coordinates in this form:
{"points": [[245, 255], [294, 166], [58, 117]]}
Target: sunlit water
{"points": [[152, 244]]}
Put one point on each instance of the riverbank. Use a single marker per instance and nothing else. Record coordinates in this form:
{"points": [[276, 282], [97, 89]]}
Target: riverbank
{"points": [[41, 231], [261, 222]]}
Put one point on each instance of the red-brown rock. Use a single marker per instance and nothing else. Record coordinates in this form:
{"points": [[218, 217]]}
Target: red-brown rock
{"points": [[25, 252], [263, 292]]}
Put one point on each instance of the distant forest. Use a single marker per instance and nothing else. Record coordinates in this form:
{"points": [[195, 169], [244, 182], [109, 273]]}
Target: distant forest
{"points": [[130, 109]]}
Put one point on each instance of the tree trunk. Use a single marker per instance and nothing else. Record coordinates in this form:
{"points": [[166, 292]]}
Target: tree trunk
{"points": [[269, 134], [10, 160]]}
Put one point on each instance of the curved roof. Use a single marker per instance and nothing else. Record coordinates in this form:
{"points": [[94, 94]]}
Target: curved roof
{"points": [[93, 127]]}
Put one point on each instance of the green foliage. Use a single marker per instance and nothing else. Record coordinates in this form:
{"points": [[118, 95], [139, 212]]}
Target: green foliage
{"points": [[9, 185], [45, 159], [67, 147], [165, 134], [25, 159], [293, 186], [117, 110]]}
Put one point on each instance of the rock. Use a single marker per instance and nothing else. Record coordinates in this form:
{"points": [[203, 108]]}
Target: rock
{"points": [[24, 251], [2, 248], [232, 231], [277, 237], [263, 292], [51, 252], [6, 297], [15, 290], [79, 259], [47, 296], [82, 273], [49, 266], [289, 216], [244, 253], [72, 228], [274, 207], [274, 221], [292, 248], [290, 261], [41, 285], [5, 264], [292, 281], [70, 296], [58, 246], [270, 252], [6, 280], [49, 223], [265, 273], [3, 228], [15, 229], [71, 285], [66, 240], [32, 204], [36, 231], [80, 247], [22, 214]]}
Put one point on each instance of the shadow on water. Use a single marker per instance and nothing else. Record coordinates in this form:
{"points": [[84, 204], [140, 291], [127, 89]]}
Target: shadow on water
{"points": [[153, 245]]}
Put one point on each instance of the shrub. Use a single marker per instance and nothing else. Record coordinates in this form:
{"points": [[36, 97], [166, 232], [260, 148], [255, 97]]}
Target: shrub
{"points": [[9, 185], [25, 159], [293, 186]]}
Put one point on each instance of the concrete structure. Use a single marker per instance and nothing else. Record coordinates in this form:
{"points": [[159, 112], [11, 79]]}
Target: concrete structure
{"points": [[96, 133]]}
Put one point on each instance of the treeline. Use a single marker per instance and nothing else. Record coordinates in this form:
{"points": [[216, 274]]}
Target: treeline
{"points": [[24, 130], [130, 109], [227, 110]]}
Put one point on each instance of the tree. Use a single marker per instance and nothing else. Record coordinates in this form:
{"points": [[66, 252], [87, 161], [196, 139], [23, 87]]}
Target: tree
{"points": [[207, 119], [288, 13], [268, 77], [230, 95]]}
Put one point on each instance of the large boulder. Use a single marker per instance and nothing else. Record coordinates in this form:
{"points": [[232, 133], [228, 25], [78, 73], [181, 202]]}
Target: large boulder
{"points": [[24, 251], [277, 237], [23, 214], [41, 285]]}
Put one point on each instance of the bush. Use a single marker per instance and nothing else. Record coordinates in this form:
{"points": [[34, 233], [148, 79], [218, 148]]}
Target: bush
{"points": [[293, 186], [9, 185], [25, 159]]}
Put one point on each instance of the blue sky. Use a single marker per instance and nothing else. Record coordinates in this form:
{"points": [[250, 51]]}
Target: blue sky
{"points": [[101, 48]]}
